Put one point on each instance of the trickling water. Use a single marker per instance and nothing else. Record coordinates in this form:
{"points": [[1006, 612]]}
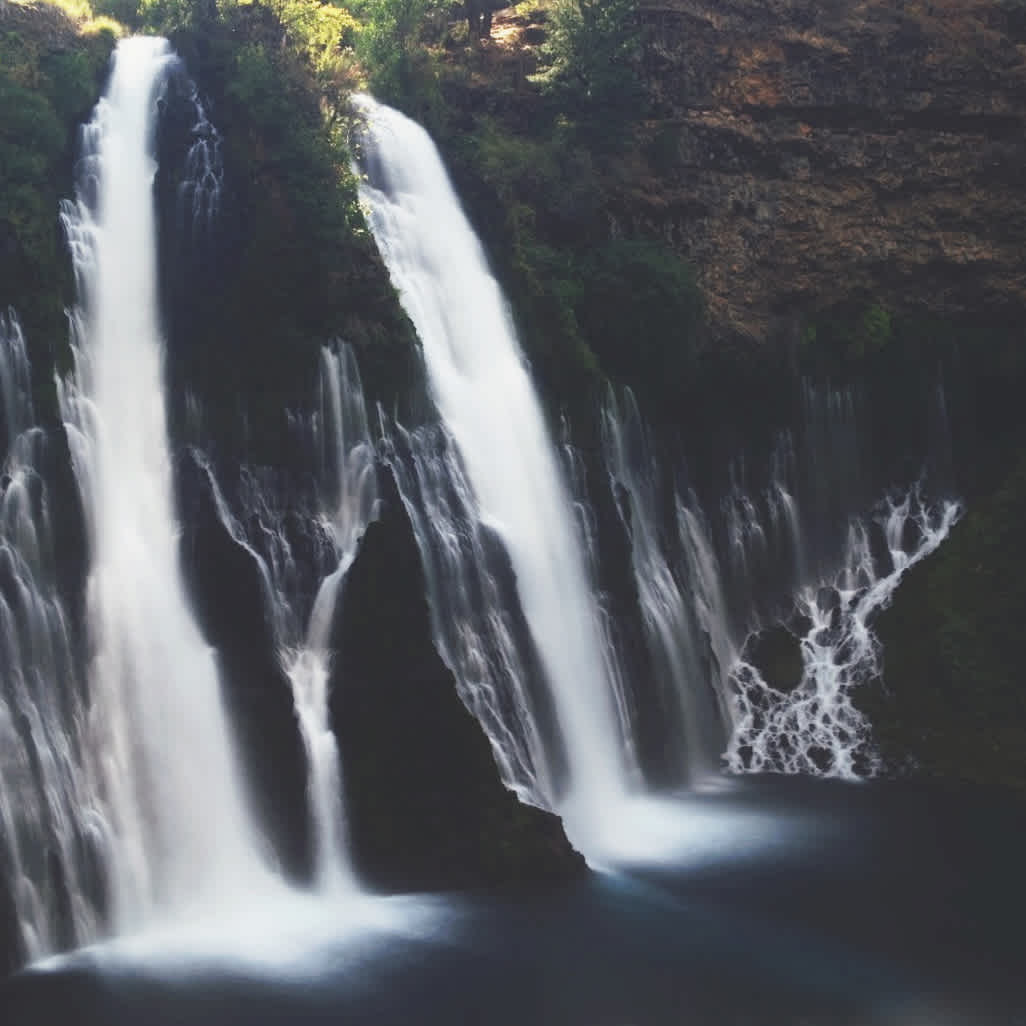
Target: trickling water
{"points": [[46, 805], [703, 593], [159, 737], [486, 399], [302, 629], [676, 604], [816, 728], [199, 194], [351, 485], [473, 610]]}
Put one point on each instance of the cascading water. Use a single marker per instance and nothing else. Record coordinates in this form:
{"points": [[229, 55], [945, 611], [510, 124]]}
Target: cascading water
{"points": [[704, 593], [676, 604], [347, 500], [473, 610], [486, 399], [816, 728], [52, 834], [159, 738]]}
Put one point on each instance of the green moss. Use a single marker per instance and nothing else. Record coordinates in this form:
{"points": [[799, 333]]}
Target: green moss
{"points": [[953, 699]]}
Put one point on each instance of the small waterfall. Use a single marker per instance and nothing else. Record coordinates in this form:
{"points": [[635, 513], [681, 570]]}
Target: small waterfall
{"points": [[158, 733], [474, 609], [816, 728], [346, 504], [199, 193], [486, 399], [351, 494], [679, 601], [52, 833], [704, 592]]}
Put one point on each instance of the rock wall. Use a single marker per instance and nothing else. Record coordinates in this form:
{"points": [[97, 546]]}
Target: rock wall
{"points": [[807, 152], [425, 806]]}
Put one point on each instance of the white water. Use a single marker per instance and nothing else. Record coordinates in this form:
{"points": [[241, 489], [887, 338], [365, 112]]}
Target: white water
{"points": [[302, 629], [703, 595], [161, 748], [816, 728], [486, 399], [680, 604], [45, 801], [472, 613]]}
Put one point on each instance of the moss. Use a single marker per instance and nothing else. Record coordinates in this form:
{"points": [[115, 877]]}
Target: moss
{"points": [[952, 697]]}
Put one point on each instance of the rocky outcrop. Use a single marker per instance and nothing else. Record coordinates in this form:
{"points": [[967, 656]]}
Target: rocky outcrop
{"points": [[808, 152], [425, 806]]}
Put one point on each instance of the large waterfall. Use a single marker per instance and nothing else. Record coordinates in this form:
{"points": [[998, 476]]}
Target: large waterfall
{"points": [[487, 401], [160, 743]]}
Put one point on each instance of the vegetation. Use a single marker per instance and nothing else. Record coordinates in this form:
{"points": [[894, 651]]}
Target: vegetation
{"points": [[51, 67], [952, 699], [591, 55]]}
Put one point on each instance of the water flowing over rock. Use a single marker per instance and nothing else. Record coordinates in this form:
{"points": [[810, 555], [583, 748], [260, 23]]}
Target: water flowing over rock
{"points": [[486, 398], [153, 682], [53, 836]]}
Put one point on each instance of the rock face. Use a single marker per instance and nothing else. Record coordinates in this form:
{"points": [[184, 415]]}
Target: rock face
{"points": [[228, 592], [807, 152], [425, 806], [951, 701]]}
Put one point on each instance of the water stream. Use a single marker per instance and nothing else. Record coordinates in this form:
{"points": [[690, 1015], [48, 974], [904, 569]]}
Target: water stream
{"points": [[483, 389], [162, 750]]}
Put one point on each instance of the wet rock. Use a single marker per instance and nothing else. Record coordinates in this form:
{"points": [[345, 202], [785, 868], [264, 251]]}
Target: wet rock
{"points": [[425, 806], [776, 653]]}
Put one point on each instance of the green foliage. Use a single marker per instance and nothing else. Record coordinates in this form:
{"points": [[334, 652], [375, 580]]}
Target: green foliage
{"points": [[592, 54], [843, 339], [50, 73], [587, 307], [398, 66], [642, 312], [952, 644]]}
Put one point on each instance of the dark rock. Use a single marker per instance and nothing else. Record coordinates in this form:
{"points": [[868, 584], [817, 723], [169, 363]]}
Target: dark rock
{"points": [[950, 701], [776, 653], [425, 806], [12, 953], [228, 591]]}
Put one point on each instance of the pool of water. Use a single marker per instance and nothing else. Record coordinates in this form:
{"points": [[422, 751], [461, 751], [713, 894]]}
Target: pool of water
{"points": [[757, 901]]}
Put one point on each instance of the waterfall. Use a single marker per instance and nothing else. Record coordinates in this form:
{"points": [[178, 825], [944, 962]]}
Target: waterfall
{"points": [[474, 610], [816, 728], [704, 593], [301, 616], [485, 396], [679, 603], [159, 738], [52, 833]]}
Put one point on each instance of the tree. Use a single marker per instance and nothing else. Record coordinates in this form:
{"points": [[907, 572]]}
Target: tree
{"points": [[592, 51], [479, 16], [389, 44]]}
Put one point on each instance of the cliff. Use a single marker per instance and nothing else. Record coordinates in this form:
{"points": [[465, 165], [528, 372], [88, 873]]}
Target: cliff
{"points": [[804, 155], [809, 152]]}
